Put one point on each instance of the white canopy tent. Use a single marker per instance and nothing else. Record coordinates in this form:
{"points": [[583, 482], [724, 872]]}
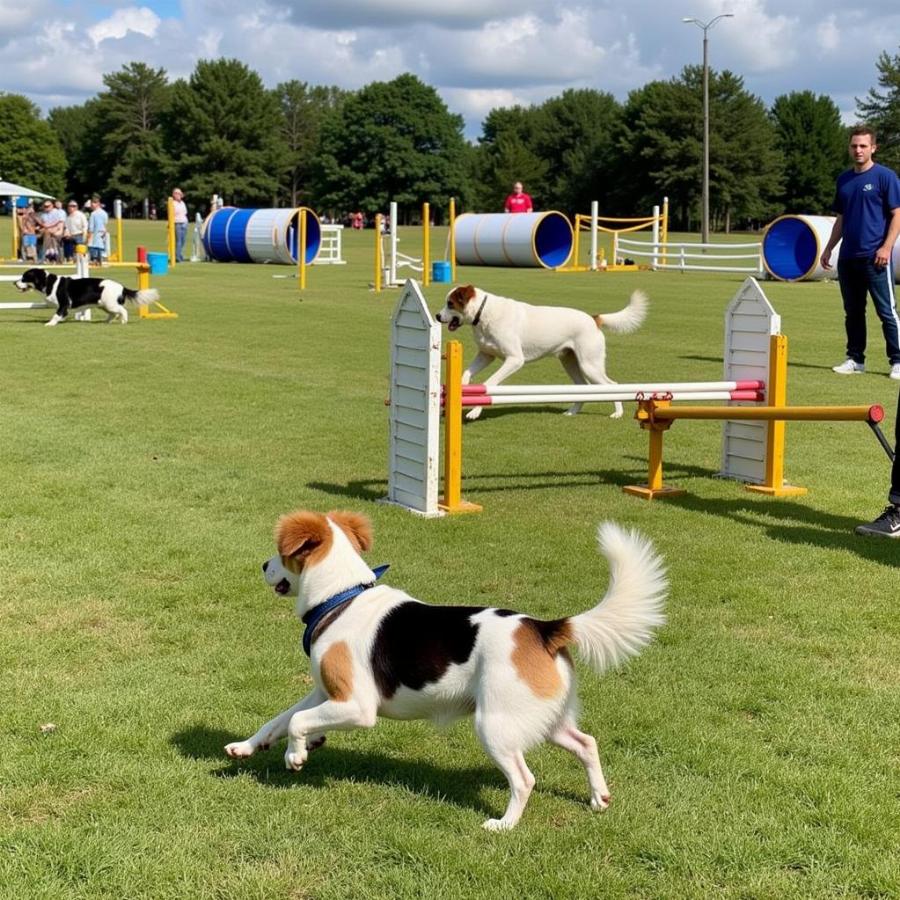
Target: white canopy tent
{"points": [[8, 189]]}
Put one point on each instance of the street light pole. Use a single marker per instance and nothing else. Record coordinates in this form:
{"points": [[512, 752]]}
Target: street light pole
{"points": [[704, 204]]}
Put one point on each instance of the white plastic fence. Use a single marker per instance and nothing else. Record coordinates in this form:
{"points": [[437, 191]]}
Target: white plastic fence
{"points": [[331, 246], [685, 257]]}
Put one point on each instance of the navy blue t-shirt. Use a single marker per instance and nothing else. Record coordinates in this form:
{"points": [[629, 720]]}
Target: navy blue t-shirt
{"points": [[865, 200]]}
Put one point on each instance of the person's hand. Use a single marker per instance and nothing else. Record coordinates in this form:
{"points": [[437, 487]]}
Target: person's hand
{"points": [[882, 256], [826, 259]]}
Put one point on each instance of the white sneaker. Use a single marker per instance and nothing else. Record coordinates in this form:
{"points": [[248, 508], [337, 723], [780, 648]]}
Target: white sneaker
{"points": [[895, 372], [849, 367]]}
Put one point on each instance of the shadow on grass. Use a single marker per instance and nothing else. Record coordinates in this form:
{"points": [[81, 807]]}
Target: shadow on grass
{"points": [[459, 787], [792, 364]]}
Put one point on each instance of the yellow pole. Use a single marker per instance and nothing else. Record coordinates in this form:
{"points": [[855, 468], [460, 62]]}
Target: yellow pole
{"points": [[301, 248], [15, 227], [426, 244], [378, 260], [654, 486], [769, 413], [120, 249], [143, 279], [577, 251], [452, 501], [776, 396], [452, 239], [170, 230]]}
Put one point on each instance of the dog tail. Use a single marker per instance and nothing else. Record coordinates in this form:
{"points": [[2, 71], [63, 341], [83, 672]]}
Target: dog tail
{"points": [[626, 320], [141, 298], [624, 621]]}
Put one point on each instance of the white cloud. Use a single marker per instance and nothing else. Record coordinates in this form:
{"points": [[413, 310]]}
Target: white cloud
{"points": [[140, 20]]}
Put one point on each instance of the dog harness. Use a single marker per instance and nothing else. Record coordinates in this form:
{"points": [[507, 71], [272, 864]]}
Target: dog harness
{"points": [[317, 613]]}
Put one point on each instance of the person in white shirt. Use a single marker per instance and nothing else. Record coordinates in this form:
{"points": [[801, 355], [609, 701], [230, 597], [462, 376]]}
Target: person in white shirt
{"points": [[180, 218], [74, 230]]}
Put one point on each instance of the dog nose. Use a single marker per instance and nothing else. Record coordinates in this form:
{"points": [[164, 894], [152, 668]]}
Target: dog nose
{"points": [[265, 565]]}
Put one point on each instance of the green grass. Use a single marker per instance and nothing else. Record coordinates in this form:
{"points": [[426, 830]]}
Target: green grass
{"points": [[752, 751]]}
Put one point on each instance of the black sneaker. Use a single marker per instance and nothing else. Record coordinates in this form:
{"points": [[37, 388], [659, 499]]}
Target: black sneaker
{"points": [[886, 525]]}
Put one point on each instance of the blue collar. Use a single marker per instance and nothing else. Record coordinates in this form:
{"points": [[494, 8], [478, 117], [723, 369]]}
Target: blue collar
{"points": [[317, 613]]}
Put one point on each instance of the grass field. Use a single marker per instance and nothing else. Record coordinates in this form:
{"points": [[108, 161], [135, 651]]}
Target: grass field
{"points": [[752, 751]]}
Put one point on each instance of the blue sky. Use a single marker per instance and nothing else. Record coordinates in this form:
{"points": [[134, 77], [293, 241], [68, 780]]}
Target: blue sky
{"points": [[477, 53]]}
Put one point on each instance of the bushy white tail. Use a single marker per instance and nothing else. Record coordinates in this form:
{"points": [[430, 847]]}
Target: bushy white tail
{"points": [[623, 622], [142, 298], [629, 319]]}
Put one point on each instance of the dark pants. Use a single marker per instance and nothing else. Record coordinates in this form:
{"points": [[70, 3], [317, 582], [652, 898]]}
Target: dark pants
{"points": [[859, 277], [894, 495]]}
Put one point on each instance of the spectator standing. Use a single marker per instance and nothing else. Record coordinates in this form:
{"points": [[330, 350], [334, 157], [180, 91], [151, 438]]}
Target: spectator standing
{"points": [[74, 230], [180, 218], [28, 227], [867, 204], [518, 201], [97, 231]]}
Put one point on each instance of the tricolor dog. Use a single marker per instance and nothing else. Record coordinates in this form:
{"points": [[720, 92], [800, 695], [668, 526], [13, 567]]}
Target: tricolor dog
{"points": [[66, 293], [375, 651], [517, 333]]}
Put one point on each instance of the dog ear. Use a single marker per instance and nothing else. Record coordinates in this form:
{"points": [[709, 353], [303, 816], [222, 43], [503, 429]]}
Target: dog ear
{"points": [[356, 526], [468, 292], [300, 533]]}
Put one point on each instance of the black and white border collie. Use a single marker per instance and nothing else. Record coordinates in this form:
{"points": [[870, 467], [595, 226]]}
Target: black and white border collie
{"points": [[66, 293], [375, 651]]}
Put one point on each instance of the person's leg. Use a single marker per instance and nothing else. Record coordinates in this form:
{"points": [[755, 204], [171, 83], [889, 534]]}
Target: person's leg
{"points": [[854, 287], [881, 287], [888, 523], [894, 495]]}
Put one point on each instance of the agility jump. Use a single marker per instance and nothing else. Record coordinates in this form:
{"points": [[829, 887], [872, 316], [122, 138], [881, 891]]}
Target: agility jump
{"points": [[386, 268], [752, 440]]}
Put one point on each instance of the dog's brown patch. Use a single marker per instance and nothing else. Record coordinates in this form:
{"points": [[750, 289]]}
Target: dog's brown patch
{"points": [[460, 296], [336, 672], [534, 654], [302, 538], [598, 320], [356, 526]]}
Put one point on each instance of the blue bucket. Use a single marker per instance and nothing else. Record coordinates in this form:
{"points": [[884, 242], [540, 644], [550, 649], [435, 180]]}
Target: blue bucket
{"points": [[440, 271], [159, 263]]}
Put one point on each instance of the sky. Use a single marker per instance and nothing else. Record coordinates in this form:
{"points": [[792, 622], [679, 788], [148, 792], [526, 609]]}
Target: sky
{"points": [[478, 54]]}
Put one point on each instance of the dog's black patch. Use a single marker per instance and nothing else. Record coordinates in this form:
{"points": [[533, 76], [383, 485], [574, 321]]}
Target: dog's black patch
{"points": [[503, 613], [416, 643], [70, 293]]}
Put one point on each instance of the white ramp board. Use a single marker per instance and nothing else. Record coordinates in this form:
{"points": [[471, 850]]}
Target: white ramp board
{"points": [[415, 404], [750, 321]]}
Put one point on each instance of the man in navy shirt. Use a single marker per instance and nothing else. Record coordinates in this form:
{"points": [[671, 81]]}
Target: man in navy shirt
{"points": [[867, 203]]}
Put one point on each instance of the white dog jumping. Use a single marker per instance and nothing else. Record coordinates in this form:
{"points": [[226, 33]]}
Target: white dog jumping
{"points": [[375, 651], [518, 333]]}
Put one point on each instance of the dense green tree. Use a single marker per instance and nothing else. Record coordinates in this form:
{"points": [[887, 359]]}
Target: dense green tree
{"points": [[391, 140], [303, 110], [505, 155], [30, 152], [77, 128], [576, 135], [221, 133], [813, 144], [130, 114], [881, 110], [662, 150]]}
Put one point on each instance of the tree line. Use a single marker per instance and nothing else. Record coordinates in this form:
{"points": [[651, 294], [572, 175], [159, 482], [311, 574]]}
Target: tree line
{"points": [[221, 131]]}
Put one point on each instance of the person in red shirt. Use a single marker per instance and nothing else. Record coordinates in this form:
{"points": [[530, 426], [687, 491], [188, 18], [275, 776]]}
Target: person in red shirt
{"points": [[518, 201]]}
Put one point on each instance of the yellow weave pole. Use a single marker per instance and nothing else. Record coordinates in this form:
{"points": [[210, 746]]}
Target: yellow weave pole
{"points": [[170, 230], [426, 244], [453, 240], [664, 236], [379, 262], [452, 501], [301, 249], [119, 255]]}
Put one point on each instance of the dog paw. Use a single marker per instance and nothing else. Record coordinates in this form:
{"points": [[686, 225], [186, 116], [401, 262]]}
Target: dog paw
{"points": [[616, 415], [294, 760], [473, 414], [240, 749], [600, 802], [496, 825]]}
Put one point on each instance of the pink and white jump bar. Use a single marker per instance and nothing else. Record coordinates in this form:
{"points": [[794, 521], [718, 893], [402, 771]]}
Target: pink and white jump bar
{"points": [[503, 395]]}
